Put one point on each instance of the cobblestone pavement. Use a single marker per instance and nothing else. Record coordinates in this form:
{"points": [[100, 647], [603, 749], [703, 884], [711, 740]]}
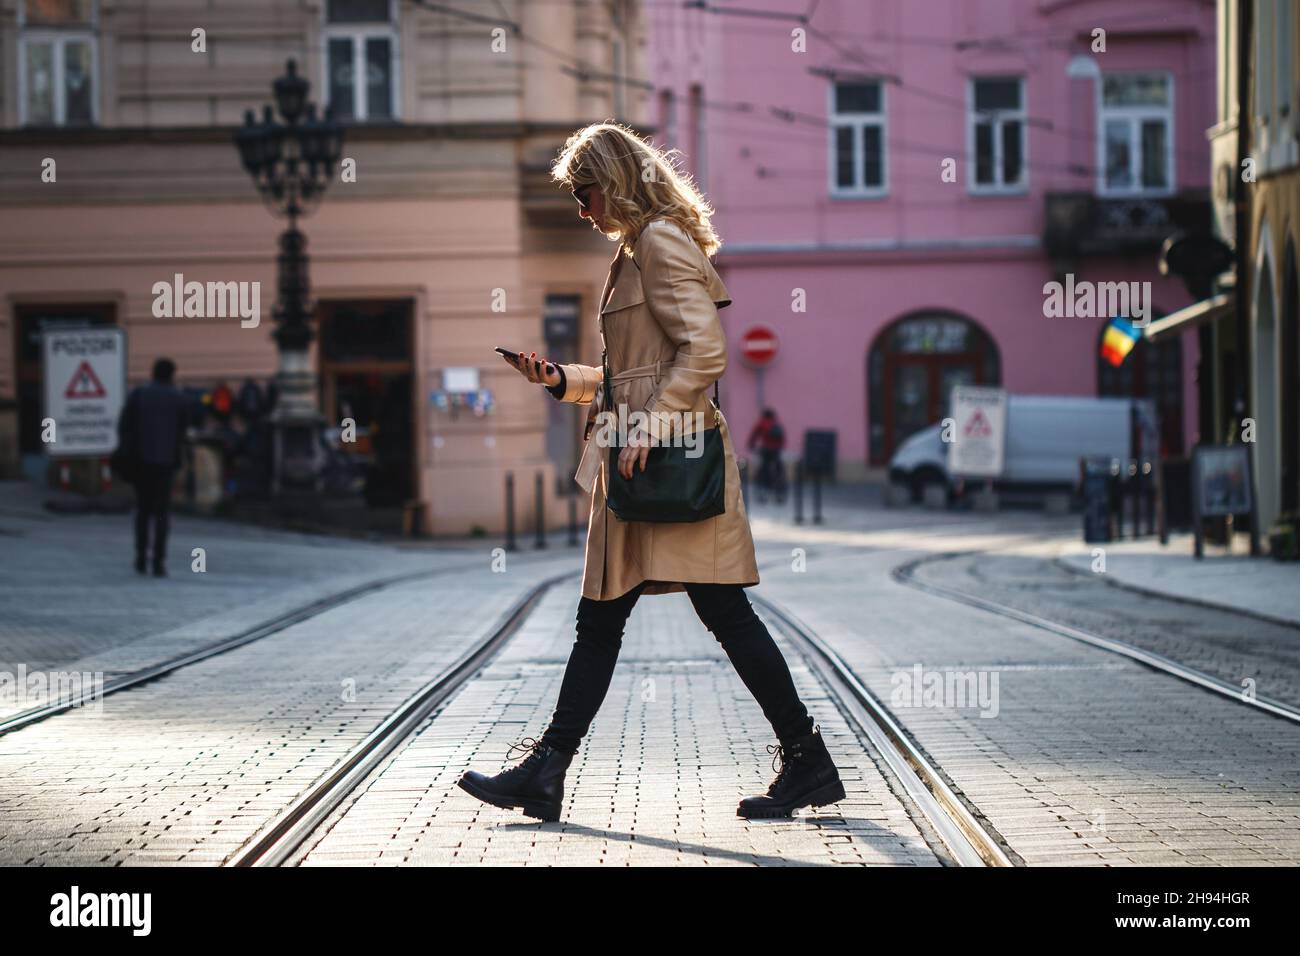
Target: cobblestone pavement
{"points": [[70, 601], [1075, 755], [1230, 646], [1084, 757], [1233, 579], [185, 769], [677, 743]]}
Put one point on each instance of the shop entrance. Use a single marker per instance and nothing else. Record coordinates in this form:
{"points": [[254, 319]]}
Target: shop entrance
{"points": [[367, 375], [911, 371]]}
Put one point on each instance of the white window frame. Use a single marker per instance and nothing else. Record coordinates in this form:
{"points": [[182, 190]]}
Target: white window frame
{"points": [[997, 188], [359, 33], [1135, 115], [59, 37], [858, 122]]}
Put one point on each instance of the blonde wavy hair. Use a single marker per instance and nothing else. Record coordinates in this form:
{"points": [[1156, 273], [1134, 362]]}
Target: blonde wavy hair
{"points": [[639, 181]]}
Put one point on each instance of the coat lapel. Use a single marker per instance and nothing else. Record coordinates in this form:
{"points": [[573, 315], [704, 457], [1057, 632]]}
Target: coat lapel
{"points": [[589, 465], [615, 265]]}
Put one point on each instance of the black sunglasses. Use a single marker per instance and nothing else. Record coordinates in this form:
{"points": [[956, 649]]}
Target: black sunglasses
{"points": [[580, 194]]}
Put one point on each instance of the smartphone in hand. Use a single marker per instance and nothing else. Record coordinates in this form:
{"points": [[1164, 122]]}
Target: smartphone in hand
{"points": [[513, 359]]}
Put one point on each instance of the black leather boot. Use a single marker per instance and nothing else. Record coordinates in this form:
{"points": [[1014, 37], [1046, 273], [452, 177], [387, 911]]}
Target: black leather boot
{"points": [[535, 786], [807, 778]]}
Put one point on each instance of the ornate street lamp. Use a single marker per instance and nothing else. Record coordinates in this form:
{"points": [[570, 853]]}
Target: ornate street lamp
{"points": [[291, 162]]}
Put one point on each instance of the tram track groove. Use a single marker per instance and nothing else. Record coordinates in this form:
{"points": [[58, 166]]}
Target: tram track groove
{"points": [[277, 840], [968, 836], [271, 626], [905, 574]]}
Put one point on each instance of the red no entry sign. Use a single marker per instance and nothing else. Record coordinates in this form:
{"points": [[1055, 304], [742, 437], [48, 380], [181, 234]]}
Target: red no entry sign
{"points": [[758, 346]]}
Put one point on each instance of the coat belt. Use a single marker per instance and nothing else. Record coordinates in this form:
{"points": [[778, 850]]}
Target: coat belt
{"points": [[641, 371], [589, 467]]}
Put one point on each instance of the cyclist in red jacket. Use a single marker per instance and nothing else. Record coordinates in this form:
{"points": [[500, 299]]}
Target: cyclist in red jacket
{"points": [[769, 436]]}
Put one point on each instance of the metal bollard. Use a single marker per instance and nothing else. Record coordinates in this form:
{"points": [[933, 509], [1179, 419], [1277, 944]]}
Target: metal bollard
{"points": [[1139, 499], [510, 512], [1158, 494], [538, 502], [817, 498], [1116, 499], [798, 492], [1130, 504], [1149, 494]]}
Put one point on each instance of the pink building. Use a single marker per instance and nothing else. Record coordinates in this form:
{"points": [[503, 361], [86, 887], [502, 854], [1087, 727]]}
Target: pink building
{"points": [[897, 180]]}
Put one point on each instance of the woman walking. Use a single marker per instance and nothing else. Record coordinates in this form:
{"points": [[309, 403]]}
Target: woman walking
{"points": [[665, 349]]}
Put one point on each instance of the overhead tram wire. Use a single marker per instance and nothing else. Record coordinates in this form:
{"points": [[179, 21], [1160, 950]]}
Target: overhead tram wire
{"points": [[574, 66], [960, 105], [586, 72]]}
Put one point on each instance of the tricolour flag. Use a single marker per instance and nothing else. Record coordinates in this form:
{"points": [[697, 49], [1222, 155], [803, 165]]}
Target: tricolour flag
{"points": [[1118, 340]]}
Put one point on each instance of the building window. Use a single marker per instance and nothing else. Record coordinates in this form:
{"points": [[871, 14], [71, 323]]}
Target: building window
{"points": [[1136, 121], [698, 146], [858, 139], [667, 118], [57, 63], [361, 59], [1273, 142], [997, 131], [1284, 38]]}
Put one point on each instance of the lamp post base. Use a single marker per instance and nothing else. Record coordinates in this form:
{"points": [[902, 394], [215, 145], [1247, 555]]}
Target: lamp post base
{"points": [[298, 457]]}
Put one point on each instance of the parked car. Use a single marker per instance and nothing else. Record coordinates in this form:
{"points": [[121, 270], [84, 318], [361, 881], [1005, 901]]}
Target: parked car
{"points": [[1046, 437]]}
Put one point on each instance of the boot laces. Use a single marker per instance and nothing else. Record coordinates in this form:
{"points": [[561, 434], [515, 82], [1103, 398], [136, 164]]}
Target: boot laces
{"points": [[530, 746], [783, 758]]}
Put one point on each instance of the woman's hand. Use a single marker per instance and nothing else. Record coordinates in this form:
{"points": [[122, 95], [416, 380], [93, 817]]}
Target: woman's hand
{"points": [[636, 450], [536, 370]]}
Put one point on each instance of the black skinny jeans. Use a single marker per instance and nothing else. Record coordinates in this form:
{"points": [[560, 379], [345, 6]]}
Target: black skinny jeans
{"points": [[726, 611]]}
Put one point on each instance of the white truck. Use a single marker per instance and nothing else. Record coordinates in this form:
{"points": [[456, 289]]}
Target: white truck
{"points": [[1046, 437]]}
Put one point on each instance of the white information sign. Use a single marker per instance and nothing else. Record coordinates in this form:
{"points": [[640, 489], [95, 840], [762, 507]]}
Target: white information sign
{"points": [[85, 388], [978, 446], [459, 378]]}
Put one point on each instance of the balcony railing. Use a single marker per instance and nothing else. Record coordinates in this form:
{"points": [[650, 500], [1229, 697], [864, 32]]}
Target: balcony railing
{"points": [[1083, 224]]}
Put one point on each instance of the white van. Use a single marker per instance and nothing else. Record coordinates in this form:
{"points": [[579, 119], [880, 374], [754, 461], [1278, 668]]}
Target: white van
{"points": [[1046, 437]]}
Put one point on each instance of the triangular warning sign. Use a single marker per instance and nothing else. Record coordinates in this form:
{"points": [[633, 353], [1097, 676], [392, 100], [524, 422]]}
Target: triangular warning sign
{"points": [[85, 383], [978, 426]]}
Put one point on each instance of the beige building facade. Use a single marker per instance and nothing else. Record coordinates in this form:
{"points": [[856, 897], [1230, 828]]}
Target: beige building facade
{"points": [[1273, 259], [118, 171]]}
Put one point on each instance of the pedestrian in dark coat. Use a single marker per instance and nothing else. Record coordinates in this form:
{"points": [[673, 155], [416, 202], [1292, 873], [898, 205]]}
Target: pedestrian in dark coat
{"points": [[151, 434]]}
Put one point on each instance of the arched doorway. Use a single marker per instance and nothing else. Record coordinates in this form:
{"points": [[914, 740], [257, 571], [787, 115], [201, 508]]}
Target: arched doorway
{"points": [[911, 369], [1289, 377], [1152, 370], [1263, 400]]}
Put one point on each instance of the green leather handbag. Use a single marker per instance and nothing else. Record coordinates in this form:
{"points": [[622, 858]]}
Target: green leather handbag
{"points": [[674, 487]]}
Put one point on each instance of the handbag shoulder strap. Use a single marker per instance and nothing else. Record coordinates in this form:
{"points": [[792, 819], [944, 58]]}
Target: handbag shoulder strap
{"points": [[716, 400]]}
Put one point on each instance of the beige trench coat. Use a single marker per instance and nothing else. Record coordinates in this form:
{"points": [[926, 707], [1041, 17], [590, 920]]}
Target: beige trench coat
{"points": [[665, 349]]}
